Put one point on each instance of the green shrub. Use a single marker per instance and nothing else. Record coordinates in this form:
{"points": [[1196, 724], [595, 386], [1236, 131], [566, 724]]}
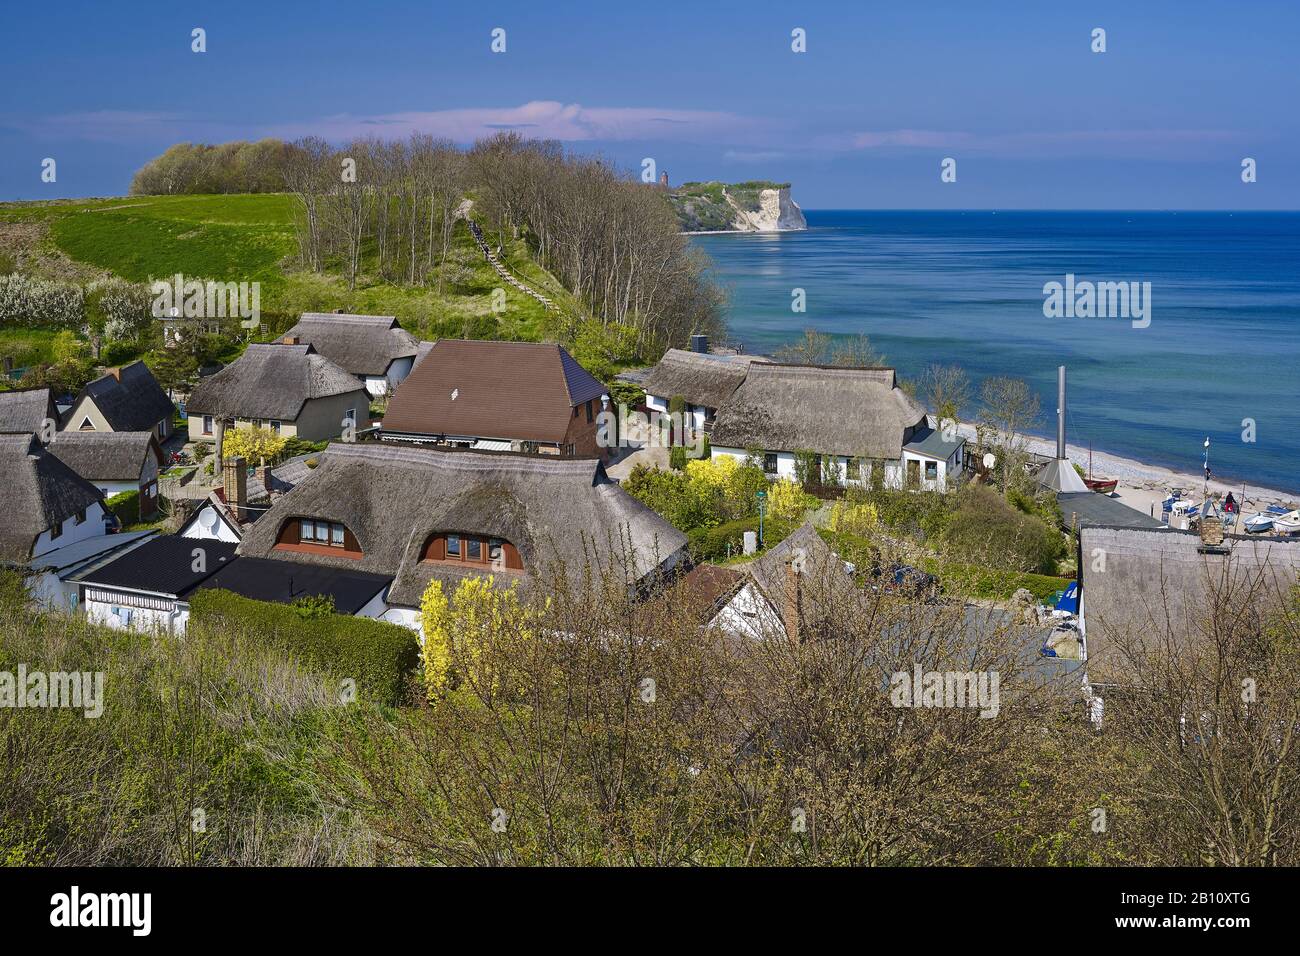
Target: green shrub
{"points": [[974, 581], [126, 505], [677, 457], [710, 544], [379, 656], [986, 530]]}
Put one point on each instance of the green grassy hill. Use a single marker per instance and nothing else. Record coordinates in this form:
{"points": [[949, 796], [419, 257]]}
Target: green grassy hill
{"points": [[251, 238]]}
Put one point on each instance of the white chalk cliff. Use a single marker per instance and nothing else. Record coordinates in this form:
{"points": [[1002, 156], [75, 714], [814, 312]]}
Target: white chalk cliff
{"points": [[776, 212]]}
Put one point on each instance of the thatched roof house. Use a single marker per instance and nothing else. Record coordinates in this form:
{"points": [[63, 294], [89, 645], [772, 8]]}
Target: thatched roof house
{"points": [[374, 348], [26, 410], [107, 456], [290, 387], [700, 379], [419, 513], [44, 498], [859, 412], [114, 462], [1146, 588], [127, 399], [500, 396]]}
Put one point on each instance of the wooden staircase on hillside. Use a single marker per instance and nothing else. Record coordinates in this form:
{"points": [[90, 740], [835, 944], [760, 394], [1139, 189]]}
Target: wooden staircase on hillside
{"points": [[499, 267]]}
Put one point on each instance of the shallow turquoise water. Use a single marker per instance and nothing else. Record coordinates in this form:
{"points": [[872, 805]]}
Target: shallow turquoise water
{"points": [[966, 288]]}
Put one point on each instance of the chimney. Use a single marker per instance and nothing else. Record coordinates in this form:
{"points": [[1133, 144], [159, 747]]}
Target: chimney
{"points": [[262, 478], [234, 478], [115, 372], [1060, 411], [700, 343], [290, 340], [790, 606]]}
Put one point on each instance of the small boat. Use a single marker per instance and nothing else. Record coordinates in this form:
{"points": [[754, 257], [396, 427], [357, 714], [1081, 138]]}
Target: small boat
{"points": [[1288, 523], [1276, 510], [1259, 523], [1103, 486]]}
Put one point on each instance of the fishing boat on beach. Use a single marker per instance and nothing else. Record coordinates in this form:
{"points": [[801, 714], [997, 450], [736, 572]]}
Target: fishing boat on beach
{"points": [[1288, 523], [1259, 523], [1103, 486]]}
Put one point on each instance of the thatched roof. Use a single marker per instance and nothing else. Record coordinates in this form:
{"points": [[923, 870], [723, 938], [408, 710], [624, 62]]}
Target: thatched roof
{"points": [[26, 409], [271, 381], [699, 379], [106, 456], [857, 412], [505, 390], [130, 400], [40, 492], [1157, 585], [360, 344], [393, 497]]}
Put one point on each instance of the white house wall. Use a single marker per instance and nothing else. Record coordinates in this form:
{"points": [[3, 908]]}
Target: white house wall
{"points": [[196, 530], [144, 620], [92, 527]]}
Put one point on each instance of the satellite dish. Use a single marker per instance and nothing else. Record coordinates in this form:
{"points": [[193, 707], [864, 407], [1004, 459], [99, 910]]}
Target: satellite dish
{"points": [[208, 518], [989, 460]]}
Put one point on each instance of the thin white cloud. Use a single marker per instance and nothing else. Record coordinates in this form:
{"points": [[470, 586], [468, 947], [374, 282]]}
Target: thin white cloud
{"points": [[1113, 142], [544, 119]]}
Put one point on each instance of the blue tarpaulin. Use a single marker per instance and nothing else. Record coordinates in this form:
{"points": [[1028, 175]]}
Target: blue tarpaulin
{"points": [[1069, 599]]}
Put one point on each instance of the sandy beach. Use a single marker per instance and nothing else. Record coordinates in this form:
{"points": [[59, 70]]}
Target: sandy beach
{"points": [[1143, 487]]}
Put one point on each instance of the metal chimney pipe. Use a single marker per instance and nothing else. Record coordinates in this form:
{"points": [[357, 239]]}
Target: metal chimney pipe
{"points": [[1060, 411]]}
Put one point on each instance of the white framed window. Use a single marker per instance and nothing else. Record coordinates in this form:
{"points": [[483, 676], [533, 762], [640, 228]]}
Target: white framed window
{"points": [[86, 425]]}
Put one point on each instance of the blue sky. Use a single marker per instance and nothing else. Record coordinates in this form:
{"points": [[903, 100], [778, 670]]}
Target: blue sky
{"points": [[885, 91]]}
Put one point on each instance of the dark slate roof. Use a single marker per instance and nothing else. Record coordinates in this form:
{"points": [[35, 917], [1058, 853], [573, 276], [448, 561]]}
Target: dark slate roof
{"points": [[859, 412], [506, 390], [393, 497], [162, 565], [699, 379], [361, 344], [132, 401], [271, 381], [1094, 510], [81, 552], [1159, 590], [930, 442], [26, 409], [266, 579], [106, 456], [40, 491]]}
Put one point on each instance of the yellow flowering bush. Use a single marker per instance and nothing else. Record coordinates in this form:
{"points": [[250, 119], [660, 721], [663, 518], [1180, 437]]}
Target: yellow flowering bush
{"points": [[462, 633], [252, 444], [860, 518], [786, 501]]}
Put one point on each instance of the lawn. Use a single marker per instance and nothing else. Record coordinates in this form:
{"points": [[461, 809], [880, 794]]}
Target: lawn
{"points": [[251, 238]]}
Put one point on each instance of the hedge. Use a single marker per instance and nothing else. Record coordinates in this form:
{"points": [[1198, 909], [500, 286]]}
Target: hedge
{"points": [[379, 656], [126, 505], [982, 582], [710, 544]]}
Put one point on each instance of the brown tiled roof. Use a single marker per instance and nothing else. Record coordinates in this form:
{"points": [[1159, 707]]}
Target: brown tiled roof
{"points": [[712, 586], [504, 390]]}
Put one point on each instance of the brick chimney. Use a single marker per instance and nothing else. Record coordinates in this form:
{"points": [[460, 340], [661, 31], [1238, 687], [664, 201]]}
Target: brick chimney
{"points": [[262, 477], [115, 372], [291, 340], [234, 479], [791, 618]]}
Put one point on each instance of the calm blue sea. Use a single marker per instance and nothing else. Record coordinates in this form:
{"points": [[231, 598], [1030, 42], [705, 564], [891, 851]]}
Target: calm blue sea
{"points": [[966, 288]]}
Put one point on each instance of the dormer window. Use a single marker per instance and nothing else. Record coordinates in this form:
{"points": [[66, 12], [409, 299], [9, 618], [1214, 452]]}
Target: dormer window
{"points": [[318, 536], [454, 547]]}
